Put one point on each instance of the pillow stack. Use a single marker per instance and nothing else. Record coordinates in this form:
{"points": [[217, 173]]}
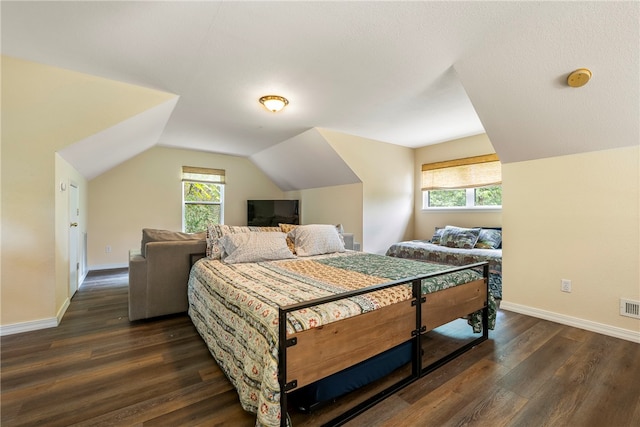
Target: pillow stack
{"points": [[234, 244], [467, 238]]}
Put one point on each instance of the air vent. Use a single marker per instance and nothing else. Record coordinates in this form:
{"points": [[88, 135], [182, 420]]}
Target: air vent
{"points": [[629, 308]]}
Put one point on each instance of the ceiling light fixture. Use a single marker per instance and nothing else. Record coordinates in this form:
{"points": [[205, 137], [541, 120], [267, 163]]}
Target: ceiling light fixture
{"points": [[274, 103]]}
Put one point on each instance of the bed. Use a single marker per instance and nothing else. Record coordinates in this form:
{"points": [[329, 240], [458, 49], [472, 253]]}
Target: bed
{"points": [[287, 323], [489, 250]]}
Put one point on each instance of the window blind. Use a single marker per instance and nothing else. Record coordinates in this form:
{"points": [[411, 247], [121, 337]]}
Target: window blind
{"points": [[478, 171], [191, 173]]}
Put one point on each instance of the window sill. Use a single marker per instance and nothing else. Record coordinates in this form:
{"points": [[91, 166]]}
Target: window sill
{"points": [[463, 209]]}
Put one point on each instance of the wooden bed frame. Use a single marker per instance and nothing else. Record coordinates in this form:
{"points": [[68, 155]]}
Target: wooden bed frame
{"points": [[342, 344]]}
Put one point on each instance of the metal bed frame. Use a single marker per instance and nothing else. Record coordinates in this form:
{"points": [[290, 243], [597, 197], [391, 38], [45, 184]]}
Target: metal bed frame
{"points": [[417, 370]]}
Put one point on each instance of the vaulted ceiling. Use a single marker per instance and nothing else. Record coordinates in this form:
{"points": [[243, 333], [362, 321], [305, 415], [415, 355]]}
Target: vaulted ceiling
{"points": [[406, 73]]}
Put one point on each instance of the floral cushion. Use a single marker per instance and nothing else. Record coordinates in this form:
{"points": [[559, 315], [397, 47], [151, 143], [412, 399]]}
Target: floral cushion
{"points": [[458, 237], [437, 235], [286, 229], [489, 239]]}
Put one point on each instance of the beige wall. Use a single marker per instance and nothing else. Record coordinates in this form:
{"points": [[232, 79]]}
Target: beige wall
{"points": [[341, 204], [574, 217], [425, 220], [146, 192], [387, 175], [43, 110]]}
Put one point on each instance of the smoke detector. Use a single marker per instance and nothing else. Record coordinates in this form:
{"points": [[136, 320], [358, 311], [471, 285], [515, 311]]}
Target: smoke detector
{"points": [[579, 77]]}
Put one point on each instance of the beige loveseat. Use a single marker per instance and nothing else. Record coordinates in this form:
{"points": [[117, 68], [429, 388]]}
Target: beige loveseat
{"points": [[159, 272]]}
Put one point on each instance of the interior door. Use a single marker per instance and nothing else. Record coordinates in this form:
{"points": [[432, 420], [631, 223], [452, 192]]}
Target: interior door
{"points": [[74, 239]]}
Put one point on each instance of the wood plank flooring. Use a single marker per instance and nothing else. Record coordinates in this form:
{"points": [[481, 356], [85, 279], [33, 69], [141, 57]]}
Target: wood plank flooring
{"points": [[99, 369]]}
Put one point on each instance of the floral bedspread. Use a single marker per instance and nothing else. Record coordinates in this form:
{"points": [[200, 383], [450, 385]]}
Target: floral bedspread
{"points": [[424, 251], [235, 309]]}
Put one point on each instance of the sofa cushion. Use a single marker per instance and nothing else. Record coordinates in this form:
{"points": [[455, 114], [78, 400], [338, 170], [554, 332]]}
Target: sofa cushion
{"points": [[154, 235]]}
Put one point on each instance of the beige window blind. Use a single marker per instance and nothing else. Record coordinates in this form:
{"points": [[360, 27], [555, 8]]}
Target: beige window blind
{"points": [[478, 171], [191, 173]]}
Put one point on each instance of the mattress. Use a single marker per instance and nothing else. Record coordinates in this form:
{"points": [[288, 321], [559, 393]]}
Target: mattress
{"points": [[423, 250]]}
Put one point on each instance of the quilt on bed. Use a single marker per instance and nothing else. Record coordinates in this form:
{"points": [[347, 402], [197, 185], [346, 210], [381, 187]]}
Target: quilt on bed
{"points": [[235, 309], [423, 250]]}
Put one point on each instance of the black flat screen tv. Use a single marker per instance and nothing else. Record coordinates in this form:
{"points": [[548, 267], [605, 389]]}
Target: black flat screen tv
{"points": [[270, 213]]}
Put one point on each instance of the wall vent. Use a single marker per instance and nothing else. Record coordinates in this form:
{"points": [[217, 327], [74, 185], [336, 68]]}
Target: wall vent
{"points": [[629, 308]]}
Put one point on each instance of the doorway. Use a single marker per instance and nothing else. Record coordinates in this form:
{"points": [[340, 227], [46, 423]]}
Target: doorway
{"points": [[74, 239]]}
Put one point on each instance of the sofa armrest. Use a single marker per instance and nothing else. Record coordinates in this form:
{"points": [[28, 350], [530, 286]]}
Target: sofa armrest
{"points": [[137, 285], [168, 267]]}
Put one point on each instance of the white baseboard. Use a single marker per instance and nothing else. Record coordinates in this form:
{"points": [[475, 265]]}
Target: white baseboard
{"points": [[108, 266], [31, 325], [575, 322], [62, 310], [34, 325]]}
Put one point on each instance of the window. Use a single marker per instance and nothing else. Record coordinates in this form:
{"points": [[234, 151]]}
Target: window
{"points": [[472, 182], [202, 198]]}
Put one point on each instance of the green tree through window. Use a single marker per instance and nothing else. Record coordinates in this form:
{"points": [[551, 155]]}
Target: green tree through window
{"points": [[203, 196]]}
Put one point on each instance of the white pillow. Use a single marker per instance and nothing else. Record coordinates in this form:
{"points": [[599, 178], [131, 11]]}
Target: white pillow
{"points": [[316, 239], [255, 247]]}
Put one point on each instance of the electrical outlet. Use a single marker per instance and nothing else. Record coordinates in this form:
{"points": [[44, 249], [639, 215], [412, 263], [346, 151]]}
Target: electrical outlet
{"points": [[565, 285], [107, 249]]}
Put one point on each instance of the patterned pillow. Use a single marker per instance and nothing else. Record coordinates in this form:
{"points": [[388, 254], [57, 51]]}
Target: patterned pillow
{"points": [[316, 239], [437, 235], [286, 229], [489, 239], [216, 231], [458, 237], [254, 247]]}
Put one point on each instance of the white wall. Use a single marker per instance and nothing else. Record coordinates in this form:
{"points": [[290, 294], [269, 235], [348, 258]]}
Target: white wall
{"points": [[146, 192], [574, 217]]}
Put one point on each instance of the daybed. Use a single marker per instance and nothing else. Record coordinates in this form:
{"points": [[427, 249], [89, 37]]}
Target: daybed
{"points": [[485, 246], [275, 321]]}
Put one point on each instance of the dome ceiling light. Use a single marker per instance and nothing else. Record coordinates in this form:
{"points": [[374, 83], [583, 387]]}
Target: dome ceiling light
{"points": [[274, 103]]}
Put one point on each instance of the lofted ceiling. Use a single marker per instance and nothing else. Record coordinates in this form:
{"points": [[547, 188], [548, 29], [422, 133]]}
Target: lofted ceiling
{"points": [[406, 73]]}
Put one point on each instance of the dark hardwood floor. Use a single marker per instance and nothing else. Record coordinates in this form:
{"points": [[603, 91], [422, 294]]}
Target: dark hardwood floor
{"points": [[97, 368]]}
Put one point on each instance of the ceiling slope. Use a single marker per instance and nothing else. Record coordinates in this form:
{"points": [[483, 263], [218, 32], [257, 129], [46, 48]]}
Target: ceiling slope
{"points": [[517, 80], [106, 149], [304, 161], [405, 73]]}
